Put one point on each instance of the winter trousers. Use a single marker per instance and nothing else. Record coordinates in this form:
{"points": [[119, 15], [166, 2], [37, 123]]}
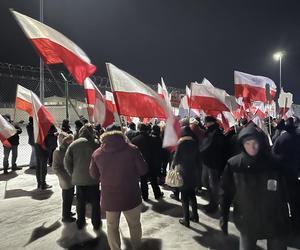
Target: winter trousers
{"points": [[33, 158], [189, 196], [67, 200], [6, 151], [154, 185], [249, 243], [88, 194], [133, 220], [211, 180], [41, 168]]}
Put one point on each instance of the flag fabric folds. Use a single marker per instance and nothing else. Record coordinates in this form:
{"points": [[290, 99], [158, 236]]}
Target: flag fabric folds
{"points": [[23, 99], [55, 48], [6, 130], [42, 120], [96, 105], [133, 97], [253, 88]]}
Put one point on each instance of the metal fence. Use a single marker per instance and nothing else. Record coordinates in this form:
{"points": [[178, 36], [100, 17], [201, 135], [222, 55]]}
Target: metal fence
{"points": [[55, 98]]}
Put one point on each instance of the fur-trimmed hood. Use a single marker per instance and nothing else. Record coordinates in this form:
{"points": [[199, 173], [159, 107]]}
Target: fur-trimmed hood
{"points": [[113, 141], [185, 138]]}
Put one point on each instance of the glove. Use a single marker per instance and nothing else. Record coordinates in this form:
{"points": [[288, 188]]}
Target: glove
{"points": [[224, 225]]}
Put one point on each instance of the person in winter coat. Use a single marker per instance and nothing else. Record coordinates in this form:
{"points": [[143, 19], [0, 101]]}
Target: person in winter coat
{"points": [[78, 126], [187, 157], [286, 150], [43, 154], [51, 142], [77, 162], [253, 182], [144, 142], [131, 133], [65, 126], [118, 166], [33, 158], [278, 130], [212, 151], [65, 180], [14, 142]]}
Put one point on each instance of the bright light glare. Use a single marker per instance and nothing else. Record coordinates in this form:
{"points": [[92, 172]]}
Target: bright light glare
{"points": [[278, 55]]}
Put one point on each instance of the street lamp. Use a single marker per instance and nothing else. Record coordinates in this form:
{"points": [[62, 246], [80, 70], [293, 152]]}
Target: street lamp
{"points": [[278, 57]]}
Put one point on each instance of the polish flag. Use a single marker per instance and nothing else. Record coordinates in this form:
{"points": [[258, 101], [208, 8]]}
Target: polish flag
{"points": [[6, 130], [160, 91], [206, 97], [42, 120], [133, 97], [258, 109], [55, 48], [165, 93], [23, 99], [97, 110], [110, 102], [253, 88]]}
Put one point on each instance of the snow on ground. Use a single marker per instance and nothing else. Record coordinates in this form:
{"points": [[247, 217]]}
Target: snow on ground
{"points": [[31, 219]]}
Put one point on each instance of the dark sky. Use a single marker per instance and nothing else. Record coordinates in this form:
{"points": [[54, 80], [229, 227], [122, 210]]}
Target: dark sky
{"points": [[181, 40]]}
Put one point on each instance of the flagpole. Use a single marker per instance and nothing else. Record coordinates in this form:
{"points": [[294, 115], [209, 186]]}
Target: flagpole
{"points": [[42, 80], [115, 97], [15, 103], [190, 100], [59, 87], [67, 94]]}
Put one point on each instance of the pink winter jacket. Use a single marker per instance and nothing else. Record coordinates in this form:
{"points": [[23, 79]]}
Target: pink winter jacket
{"points": [[118, 166]]}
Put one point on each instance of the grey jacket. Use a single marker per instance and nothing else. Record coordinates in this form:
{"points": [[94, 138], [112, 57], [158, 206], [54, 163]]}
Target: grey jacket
{"points": [[78, 157]]}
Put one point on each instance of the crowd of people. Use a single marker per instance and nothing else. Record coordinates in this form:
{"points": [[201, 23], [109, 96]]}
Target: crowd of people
{"points": [[113, 166]]}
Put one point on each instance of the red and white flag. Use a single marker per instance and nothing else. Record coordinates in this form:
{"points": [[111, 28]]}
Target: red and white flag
{"points": [[55, 48], [6, 130], [208, 98], [97, 109], [42, 120], [253, 88], [110, 101], [133, 97], [165, 93], [23, 99]]}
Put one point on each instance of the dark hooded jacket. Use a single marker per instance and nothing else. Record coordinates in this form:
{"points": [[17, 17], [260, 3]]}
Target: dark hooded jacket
{"points": [[187, 157], [78, 157], [118, 166], [257, 190], [286, 149]]}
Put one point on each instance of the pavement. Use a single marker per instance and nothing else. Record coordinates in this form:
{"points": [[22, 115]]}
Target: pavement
{"points": [[31, 219]]}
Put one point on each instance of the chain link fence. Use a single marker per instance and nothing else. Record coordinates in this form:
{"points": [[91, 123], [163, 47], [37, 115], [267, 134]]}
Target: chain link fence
{"points": [[55, 97]]}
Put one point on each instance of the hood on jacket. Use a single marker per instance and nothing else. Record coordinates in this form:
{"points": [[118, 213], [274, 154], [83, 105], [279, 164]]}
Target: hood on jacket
{"points": [[87, 131], [65, 140], [252, 132], [112, 141]]}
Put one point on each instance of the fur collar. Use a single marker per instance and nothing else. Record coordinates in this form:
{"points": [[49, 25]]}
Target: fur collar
{"points": [[111, 133]]}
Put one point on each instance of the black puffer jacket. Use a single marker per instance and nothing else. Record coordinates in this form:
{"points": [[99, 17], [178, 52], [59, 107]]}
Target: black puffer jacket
{"points": [[257, 190], [14, 140]]}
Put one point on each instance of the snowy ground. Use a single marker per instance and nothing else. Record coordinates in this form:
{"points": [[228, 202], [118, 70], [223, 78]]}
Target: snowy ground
{"points": [[30, 219]]}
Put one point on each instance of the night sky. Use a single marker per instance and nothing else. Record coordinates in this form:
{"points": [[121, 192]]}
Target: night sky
{"points": [[181, 40]]}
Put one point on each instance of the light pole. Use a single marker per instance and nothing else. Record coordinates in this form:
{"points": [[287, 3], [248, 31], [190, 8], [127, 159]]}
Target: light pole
{"points": [[278, 57]]}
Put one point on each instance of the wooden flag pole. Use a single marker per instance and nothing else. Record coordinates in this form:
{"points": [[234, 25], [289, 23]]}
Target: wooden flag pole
{"points": [[115, 97]]}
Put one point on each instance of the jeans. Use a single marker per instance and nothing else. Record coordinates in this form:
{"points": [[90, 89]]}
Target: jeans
{"points": [[133, 220], [14, 150], [249, 243], [88, 194]]}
